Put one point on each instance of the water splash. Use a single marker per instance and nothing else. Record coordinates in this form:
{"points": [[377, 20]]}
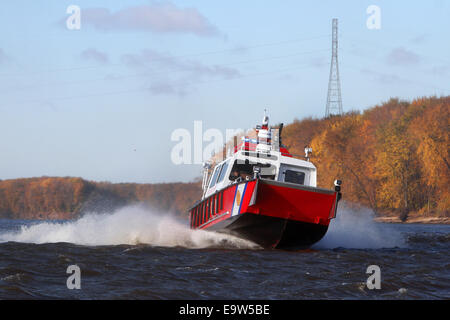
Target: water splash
{"points": [[129, 225], [352, 228], [355, 228]]}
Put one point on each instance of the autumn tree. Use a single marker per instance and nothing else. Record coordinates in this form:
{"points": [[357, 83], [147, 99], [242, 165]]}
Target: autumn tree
{"points": [[339, 152], [398, 166], [431, 131]]}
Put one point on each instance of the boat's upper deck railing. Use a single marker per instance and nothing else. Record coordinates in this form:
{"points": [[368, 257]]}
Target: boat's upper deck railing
{"points": [[252, 145]]}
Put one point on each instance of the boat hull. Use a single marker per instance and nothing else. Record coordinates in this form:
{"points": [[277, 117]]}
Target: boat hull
{"points": [[272, 214], [272, 232]]}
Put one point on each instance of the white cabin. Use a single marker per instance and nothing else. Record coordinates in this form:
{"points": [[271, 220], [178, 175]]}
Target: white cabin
{"points": [[261, 158]]}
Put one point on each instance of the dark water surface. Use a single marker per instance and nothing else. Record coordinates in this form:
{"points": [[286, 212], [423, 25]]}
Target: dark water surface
{"points": [[414, 264]]}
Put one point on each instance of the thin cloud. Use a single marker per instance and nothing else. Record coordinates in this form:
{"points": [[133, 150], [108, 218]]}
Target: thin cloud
{"points": [[171, 75], [401, 56], [158, 17], [94, 55], [151, 58], [389, 79], [383, 78], [168, 88], [441, 71], [419, 39], [239, 49], [287, 77], [3, 57], [319, 62]]}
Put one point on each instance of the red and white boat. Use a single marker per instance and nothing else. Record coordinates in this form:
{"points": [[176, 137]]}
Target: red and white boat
{"points": [[262, 193]]}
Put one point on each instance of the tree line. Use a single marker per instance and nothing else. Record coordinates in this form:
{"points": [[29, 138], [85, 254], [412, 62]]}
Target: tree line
{"points": [[68, 197]]}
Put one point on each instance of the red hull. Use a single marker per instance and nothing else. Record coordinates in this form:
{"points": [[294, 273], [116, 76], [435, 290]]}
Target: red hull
{"points": [[270, 213]]}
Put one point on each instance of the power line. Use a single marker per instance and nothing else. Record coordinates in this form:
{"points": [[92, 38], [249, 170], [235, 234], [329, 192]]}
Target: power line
{"points": [[63, 69], [147, 74], [302, 66], [405, 80], [361, 43]]}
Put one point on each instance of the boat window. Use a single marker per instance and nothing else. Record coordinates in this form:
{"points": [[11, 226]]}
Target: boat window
{"points": [[292, 176], [197, 214], [241, 171], [194, 217], [244, 171], [218, 203], [222, 172], [200, 219], [268, 172], [214, 177]]}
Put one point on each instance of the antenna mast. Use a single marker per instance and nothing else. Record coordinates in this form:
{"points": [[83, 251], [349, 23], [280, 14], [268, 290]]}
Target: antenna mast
{"points": [[334, 98]]}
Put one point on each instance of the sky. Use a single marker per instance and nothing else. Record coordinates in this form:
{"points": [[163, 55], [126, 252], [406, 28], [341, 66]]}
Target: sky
{"points": [[103, 101]]}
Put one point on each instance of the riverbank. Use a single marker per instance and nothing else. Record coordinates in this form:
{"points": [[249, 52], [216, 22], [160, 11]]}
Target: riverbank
{"points": [[414, 219]]}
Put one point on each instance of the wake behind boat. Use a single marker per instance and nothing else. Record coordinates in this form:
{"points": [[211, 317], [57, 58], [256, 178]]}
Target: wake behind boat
{"points": [[263, 194]]}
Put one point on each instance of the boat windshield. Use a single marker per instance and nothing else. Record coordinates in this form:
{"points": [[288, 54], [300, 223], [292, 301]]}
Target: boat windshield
{"points": [[223, 170], [244, 171], [214, 177]]}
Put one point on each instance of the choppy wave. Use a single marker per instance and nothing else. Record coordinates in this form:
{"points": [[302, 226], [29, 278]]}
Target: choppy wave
{"points": [[129, 225], [157, 270]]}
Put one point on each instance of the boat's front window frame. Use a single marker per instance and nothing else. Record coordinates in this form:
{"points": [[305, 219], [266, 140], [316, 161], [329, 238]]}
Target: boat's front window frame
{"points": [[223, 170], [298, 174], [266, 166], [214, 176], [304, 171]]}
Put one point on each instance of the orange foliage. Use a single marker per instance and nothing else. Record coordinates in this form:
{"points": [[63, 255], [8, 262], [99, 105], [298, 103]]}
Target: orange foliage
{"points": [[394, 156], [66, 198]]}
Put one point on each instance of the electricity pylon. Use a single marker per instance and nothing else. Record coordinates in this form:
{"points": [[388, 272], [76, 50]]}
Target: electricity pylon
{"points": [[334, 98]]}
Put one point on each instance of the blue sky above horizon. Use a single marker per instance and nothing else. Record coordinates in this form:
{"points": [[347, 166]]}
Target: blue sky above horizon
{"points": [[101, 102]]}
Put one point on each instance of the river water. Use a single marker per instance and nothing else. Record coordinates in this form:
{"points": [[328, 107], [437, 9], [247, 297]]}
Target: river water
{"points": [[137, 254]]}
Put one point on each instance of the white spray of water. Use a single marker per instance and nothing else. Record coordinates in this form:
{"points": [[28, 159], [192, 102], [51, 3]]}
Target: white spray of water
{"points": [[355, 228], [129, 225], [352, 228]]}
